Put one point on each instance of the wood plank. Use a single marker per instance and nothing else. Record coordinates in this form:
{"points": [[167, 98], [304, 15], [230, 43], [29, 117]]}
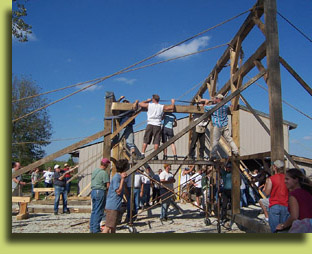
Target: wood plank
{"points": [[260, 67], [255, 156], [59, 153], [242, 33], [177, 108], [274, 81], [295, 75], [301, 159], [16, 199], [246, 67], [109, 98], [43, 189], [84, 189], [193, 124]]}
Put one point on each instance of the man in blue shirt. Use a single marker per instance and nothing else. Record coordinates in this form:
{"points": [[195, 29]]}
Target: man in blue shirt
{"points": [[219, 120], [170, 121]]}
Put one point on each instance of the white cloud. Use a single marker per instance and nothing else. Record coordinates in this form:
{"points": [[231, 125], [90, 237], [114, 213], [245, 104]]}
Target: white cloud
{"points": [[307, 137], [126, 80], [91, 88], [294, 141], [186, 48]]}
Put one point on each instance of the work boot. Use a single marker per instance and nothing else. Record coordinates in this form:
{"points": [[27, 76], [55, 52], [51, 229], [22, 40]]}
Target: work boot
{"points": [[175, 157], [165, 157], [155, 158]]}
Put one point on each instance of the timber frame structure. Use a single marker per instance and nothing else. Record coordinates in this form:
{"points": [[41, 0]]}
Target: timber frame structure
{"points": [[271, 74]]}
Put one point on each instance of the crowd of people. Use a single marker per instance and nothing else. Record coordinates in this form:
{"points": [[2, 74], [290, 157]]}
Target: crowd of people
{"points": [[286, 199], [57, 179]]}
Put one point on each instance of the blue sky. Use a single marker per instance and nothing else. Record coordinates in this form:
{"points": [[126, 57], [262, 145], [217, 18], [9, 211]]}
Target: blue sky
{"points": [[75, 41]]}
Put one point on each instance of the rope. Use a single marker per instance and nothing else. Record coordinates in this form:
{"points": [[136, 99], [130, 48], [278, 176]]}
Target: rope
{"points": [[47, 141], [298, 110], [135, 64], [303, 34], [56, 90], [115, 74]]}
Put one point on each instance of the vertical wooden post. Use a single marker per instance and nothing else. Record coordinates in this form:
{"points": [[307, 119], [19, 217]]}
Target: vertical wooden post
{"points": [[109, 97], [274, 81], [235, 194]]}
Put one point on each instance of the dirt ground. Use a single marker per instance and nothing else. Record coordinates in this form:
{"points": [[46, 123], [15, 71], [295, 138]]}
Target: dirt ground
{"points": [[191, 221]]}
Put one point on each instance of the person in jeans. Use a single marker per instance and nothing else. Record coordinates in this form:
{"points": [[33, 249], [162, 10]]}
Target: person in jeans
{"points": [[127, 132], [170, 121], [278, 203], [219, 120], [99, 187], [167, 179], [137, 194], [60, 189]]}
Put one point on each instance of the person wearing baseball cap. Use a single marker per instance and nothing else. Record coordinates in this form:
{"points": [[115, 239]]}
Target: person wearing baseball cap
{"points": [[219, 120], [60, 189], [99, 188], [275, 187]]}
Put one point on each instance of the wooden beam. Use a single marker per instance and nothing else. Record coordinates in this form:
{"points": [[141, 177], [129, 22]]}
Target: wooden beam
{"points": [[302, 159], [109, 98], [242, 33], [295, 75], [246, 67], [59, 153], [84, 189], [125, 124], [260, 67], [259, 24], [16, 199], [193, 124], [255, 156], [268, 131], [177, 108], [274, 81]]}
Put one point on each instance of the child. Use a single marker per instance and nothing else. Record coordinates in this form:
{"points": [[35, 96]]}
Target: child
{"points": [[114, 196]]}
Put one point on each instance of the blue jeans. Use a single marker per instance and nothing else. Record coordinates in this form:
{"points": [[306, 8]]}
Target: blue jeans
{"points": [[68, 185], [136, 197], [127, 133], [58, 190], [164, 193], [146, 194], [48, 185], [243, 198], [98, 198], [277, 214]]}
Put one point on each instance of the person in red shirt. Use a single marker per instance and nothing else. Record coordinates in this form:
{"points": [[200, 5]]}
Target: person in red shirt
{"points": [[278, 202], [67, 177], [300, 197]]}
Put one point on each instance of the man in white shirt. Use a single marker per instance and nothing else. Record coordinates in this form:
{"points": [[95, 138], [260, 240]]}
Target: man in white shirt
{"points": [[167, 179], [154, 117], [48, 175], [196, 181]]}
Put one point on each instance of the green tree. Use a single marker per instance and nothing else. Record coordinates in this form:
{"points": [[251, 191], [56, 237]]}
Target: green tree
{"points": [[20, 29], [32, 133]]}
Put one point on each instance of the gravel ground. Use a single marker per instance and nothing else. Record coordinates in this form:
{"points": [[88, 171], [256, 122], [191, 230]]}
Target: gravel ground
{"points": [[148, 222]]}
